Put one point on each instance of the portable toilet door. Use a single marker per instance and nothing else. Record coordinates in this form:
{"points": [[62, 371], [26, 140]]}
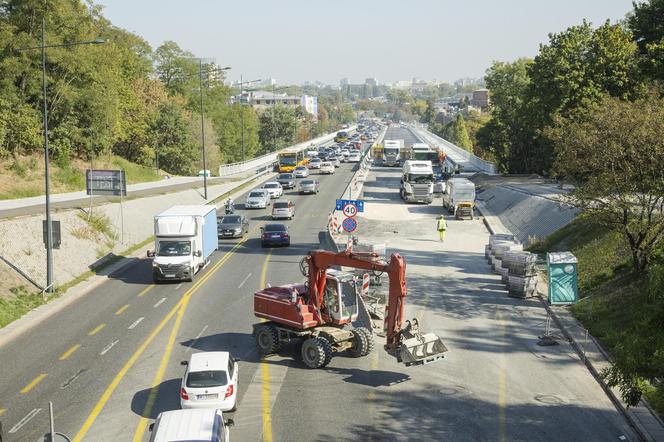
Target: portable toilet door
{"points": [[563, 278]]}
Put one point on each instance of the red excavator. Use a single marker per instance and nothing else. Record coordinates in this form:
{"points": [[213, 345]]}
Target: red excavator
{"points": [[319, 313]]}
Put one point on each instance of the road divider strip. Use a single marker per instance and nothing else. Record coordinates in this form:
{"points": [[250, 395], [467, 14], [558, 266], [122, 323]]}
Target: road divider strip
{"points": [[69, 352], [137, 354], [34, 383]]}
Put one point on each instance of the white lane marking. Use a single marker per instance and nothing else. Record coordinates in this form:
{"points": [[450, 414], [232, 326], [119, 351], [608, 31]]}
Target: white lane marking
{"points": [[197, 338], [177, 287], [24, 421], [244, 280], [159, 302], [136, 322], [108, 347]]}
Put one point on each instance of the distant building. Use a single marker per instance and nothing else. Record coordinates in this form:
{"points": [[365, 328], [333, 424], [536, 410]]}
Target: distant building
{"points": [[268, 82], [480, 99], [343, 82], [371, 82], [261, 100], [402, 84]]}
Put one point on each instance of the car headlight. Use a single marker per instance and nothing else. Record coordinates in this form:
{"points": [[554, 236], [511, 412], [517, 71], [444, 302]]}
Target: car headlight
{"points": [[238, 230], [154, 264]]}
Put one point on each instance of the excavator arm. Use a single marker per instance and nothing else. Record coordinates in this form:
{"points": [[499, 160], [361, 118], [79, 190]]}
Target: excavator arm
{"points": [[407, 344]]}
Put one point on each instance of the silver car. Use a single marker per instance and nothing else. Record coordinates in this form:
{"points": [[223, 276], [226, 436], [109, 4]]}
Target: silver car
{"points": [[301, 172], [315, 163], [257, 199], [283, 209], [308, 186]]}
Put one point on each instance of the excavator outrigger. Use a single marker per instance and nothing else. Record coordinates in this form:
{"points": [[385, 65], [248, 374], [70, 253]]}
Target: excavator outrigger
{"points": [[319, 313]]}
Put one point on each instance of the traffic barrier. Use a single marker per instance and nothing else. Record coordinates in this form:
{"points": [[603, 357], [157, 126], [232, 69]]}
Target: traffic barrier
{"points": [[365, 284]]}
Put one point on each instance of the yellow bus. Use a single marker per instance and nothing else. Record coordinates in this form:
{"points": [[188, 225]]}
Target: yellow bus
{"points": [[290, 159]]}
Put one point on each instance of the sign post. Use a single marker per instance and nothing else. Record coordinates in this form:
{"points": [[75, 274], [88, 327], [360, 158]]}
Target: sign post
{"points": [[110, 183]]}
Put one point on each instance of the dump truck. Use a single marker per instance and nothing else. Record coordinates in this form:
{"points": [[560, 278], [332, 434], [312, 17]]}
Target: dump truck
{"points": [[319, 313]]}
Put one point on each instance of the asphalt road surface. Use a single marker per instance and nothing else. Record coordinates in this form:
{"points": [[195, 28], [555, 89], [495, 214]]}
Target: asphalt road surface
{"points": [[111, 361]]}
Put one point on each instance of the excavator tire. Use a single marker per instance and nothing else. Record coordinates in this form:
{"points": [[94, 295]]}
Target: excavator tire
{"points": [[316, 352], [267, 339], [363, 342]]}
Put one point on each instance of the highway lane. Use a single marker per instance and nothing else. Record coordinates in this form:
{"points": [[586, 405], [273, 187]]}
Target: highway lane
{"points": [[115, 321]]}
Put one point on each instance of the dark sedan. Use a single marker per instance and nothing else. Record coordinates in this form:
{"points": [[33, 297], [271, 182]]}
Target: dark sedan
{"points": [[232, 226], [287, 180], [275, 235]]}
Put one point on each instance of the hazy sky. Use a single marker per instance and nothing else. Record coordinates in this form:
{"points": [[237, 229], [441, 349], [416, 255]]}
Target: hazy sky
{"points": [[326, 40]]}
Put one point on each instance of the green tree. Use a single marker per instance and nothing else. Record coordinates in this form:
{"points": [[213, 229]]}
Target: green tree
{"points": [[460, 134], [614, 155], [277, 128], [429, 115], [646, 23], [178, 150], [176, 68], [228, 123]]}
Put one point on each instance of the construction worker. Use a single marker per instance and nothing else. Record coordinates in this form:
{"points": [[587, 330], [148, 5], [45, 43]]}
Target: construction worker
{"points": [[441, 226]]}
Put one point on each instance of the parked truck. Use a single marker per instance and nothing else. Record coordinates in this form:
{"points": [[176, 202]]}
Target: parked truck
{"points": [[392, 152], [417, 181], [185, 237], [459, 197]]}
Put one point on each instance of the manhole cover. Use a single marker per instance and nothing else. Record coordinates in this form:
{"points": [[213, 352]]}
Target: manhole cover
{"points": [[454, 390], [549, 399]]}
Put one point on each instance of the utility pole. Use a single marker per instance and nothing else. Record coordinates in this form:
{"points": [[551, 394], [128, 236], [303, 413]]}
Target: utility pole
{"points": [[242, 115], [200, 84]]}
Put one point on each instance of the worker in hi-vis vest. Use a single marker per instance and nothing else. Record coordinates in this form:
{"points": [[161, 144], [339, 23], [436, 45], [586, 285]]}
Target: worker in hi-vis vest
{"points": [[441, 226]]}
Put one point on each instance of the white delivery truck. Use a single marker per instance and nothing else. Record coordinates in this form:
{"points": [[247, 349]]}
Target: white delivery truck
{"points": [[185, 237], [417, 182], [459, 197], [392, 152]]}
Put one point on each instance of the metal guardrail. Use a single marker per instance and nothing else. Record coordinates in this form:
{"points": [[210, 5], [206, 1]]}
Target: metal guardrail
{"points": [[455, 153], [270, 158]]}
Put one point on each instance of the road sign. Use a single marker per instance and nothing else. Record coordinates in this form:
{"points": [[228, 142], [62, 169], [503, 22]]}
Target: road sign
{"points": [[55, 233], [357, 203], [350, 210], [106, 182], [349, 224]]}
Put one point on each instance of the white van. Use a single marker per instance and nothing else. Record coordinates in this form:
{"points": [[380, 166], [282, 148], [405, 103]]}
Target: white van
{"points": [[201, 425]]}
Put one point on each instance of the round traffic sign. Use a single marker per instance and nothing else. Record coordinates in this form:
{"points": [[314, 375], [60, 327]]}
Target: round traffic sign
{"points": [[349, 224], [350, 210]]}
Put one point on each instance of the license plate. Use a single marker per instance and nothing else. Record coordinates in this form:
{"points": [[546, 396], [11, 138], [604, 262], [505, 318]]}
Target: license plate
{"points": [[169, 275], [205, 397], [275, 236]]}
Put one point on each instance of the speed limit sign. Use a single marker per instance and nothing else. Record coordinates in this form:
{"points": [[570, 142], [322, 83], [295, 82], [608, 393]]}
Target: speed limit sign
{"points": [[350, 210]]}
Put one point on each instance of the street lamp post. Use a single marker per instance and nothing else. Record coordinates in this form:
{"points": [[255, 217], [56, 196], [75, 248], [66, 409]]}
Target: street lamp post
{"points": [[49, 227], [242, 110]]}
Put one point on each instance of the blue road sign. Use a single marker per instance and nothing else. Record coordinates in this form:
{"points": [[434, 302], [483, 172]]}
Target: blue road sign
{"points": [[357, 203], [349, 224]]}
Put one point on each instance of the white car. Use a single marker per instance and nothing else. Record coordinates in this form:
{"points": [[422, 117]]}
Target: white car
{"points": [[283, 209], [210, 381], [257, 199], [354, 157], [199, 425], [326, 167], [315, 163], [345, 153], [312, 153], [301, 172], [274, 189]]}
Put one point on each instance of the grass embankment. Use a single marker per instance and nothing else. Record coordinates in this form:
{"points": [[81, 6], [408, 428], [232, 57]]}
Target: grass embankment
{"points": [[23, 176], [616, 306]]}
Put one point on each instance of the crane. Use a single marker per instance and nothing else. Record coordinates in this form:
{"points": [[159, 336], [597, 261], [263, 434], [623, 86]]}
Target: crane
{"points": [[318, 314]]}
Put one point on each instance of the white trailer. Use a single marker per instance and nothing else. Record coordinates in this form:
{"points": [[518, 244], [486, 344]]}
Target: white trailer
{"points": [[459, 197], [185, 237]]}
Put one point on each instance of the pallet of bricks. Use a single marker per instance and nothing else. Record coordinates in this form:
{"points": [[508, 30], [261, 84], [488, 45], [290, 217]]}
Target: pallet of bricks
{"points": [[515, 266]]}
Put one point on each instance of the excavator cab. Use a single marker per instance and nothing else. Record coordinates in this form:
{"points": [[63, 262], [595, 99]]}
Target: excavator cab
{"points": [[340, 297]]}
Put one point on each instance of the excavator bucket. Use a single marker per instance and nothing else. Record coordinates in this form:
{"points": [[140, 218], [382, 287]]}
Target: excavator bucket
{"points": [[417, 348]]}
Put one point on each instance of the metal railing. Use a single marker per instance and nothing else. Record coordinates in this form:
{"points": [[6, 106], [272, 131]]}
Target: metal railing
{"points": [[455, 154], [271, 158]]}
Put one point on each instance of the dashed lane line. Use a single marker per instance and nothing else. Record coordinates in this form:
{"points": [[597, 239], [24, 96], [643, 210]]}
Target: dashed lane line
{"points": [[161, 301], [135, 323], [24, 421], [34, 383], [198, 336], [145, 290], [121, 310], [69, 352], [96, 330], [244, 280], [108, 347]]}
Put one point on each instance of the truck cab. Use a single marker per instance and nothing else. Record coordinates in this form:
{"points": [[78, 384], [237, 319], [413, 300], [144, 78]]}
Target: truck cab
{"points": [[417, 182], [392, 152]]}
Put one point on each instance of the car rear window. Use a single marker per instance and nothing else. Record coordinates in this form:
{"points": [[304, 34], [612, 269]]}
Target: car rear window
{"points": [[271, 185], [209, 378], [275, 228], [281, 205], [300, 168], [285, 176], [307, 182]]}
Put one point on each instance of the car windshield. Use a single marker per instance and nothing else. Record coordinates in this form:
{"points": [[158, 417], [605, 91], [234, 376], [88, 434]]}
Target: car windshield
{"points": [[288, 161], [419, 178], [174, 248], [204, 379], [256, 195], [230, 220], [275, 228], [281, 205]]}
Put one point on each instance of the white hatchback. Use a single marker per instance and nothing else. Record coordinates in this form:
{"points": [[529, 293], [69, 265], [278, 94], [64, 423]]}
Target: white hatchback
{"points": [[210, 381]]}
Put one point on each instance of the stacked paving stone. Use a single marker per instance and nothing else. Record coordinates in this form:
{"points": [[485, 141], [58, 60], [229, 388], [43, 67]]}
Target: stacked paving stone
{"points": [[515, 266]]}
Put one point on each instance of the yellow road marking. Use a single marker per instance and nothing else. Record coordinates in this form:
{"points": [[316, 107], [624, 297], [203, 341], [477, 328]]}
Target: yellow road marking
{"points": [[69, 352], [96, 330], [2, 411], [137, 354], [121, 309], [32, 384], [145, 290], [265, 371]]}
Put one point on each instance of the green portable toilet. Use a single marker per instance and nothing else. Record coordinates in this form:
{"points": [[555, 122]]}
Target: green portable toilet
{"points": [[563, 282]]}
